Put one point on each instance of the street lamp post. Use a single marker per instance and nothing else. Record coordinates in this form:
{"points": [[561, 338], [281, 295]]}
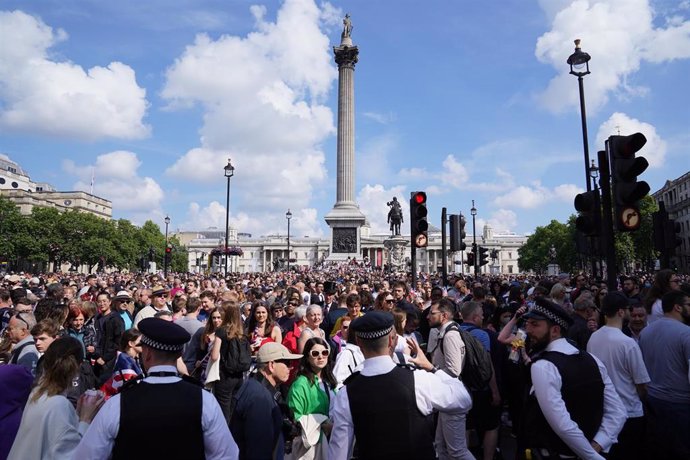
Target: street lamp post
{"points": [[229, 170], [165, 250], [473, 211], [579, 66], [288, 216]]}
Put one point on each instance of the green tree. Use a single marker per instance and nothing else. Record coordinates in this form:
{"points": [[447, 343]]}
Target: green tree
{"points": [[535, 253], [13, 230]]}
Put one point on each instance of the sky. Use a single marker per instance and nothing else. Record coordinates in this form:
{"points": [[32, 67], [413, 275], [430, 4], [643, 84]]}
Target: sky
{"points": [[464, 100]]}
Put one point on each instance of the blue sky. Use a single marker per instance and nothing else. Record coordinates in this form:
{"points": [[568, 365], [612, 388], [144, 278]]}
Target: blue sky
{"points": [[466, 100]]}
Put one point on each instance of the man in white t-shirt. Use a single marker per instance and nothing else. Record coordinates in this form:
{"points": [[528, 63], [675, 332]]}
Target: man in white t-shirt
{"points": [[625, 365]]}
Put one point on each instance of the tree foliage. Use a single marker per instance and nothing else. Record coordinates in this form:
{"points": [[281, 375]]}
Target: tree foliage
{"points": [[78, 238], [632, 248]]}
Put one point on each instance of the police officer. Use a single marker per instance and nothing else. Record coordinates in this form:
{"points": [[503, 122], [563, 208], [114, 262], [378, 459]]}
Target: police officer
{"points": [[388, 407], [573, 410], [163, 415]]}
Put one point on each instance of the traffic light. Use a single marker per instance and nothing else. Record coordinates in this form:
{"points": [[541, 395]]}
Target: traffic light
{"points": [[457, 232], [470, 259], [627, 190], [671, 238], [168, 253], [589, 220], [418, 223], [483, 256]]}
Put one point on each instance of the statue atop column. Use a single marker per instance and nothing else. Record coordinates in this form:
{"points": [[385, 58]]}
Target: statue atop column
{"points": [[347, 27], [395, 216]]}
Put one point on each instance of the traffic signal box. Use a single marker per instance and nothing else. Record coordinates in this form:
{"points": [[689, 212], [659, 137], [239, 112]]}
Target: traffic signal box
{"points": [[457, 232], [589, 219], [418, 220], [666, 230], [470, 259], [626, 189], [168, 252], [483, 256]]}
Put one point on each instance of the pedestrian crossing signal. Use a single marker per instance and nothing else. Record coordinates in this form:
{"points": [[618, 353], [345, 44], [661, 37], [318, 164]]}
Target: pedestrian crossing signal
{"points": [[419, 225]]}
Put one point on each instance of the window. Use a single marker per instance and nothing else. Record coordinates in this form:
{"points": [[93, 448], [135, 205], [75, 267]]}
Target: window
{"points": [[510, 269], [2, 180], [12, 170], [39, 189], [15, 185]]}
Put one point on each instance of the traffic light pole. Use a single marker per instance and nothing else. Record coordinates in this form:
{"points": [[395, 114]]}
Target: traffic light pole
{"points": [[444, 248], [607, 221]]}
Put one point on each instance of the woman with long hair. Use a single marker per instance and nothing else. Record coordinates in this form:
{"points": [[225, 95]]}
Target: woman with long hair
{"points": [[664, 281], [311, 393], [384, 301], [261, 328], [229, 334], [206, 341], [50, 427], [127, 364]]}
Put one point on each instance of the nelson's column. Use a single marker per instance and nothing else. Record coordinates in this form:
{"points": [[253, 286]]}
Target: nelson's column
{"points": [[345, 219]]}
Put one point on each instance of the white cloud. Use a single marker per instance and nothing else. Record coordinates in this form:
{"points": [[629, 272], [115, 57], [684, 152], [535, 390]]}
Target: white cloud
{"points": [[503, 220], [263, 99], [40, 95], [382, 118], [530, 197], [619, 35], [619, 123], [372, 201], [454, 173], [304, 222], [116, 179]]}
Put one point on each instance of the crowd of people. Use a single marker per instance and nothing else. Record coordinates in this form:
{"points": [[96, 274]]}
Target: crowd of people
{"points": [[343, 361]]}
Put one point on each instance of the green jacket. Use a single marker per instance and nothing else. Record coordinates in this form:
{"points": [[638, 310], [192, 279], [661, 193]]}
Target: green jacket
{"points": [[305, 398]]}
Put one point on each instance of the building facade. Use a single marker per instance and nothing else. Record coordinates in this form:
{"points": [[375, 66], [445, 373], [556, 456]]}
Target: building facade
{"points": [[675, 194], [268, 253], [17, 186]]}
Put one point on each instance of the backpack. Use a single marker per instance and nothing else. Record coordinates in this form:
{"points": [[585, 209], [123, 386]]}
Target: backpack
{"points": [[235, 355], [477, 369]]}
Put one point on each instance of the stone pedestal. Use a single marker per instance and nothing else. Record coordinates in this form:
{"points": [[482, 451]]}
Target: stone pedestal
{"points": [[395, 247], [553, 269]]}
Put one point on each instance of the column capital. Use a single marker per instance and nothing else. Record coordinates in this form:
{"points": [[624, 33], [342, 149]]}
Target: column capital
{"points": [[346, 56]]}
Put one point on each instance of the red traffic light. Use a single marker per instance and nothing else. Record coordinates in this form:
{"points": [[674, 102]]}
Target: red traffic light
{"points": [[419, 197], [168, 249]]}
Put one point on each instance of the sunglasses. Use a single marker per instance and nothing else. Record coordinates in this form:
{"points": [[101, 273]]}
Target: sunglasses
{"points": [[316, 353], [390, 300]]}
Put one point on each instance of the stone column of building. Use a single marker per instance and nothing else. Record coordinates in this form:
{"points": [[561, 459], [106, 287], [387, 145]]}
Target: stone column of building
{"points": [[345, 219]]}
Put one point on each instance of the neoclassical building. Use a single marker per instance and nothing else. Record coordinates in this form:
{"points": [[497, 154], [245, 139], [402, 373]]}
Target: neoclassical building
{"points": [[266, 253], [17, 186]]}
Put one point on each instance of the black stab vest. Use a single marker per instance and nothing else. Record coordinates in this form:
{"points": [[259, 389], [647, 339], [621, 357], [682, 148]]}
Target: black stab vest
{"points": [[160, 421], [387, 422], [583, 393]]}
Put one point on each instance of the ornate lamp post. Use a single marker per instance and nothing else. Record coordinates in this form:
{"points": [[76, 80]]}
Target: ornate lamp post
{"points": [[229, 171], [288, 216], [579, 66], [473, 211], [165, 250]]}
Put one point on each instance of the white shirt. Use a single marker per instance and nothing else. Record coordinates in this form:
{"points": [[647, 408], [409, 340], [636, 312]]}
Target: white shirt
{"points": [[546, 385], [624, 363], [437, 391], [99, 440], [348, 361]]}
